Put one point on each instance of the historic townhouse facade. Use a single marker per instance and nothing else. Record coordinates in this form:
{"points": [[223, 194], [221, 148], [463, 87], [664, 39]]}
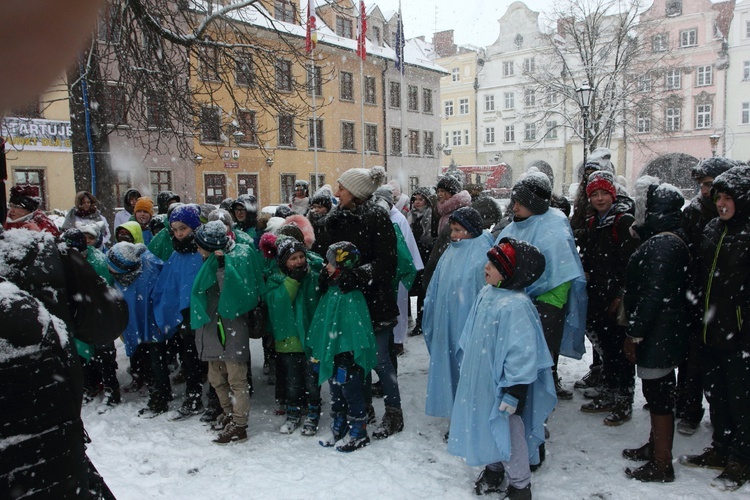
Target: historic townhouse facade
{"points": [[736, 140]]}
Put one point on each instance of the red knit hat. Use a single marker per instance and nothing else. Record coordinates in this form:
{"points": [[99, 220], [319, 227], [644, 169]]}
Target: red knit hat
{"points": [[503, 257], [601, 180]]}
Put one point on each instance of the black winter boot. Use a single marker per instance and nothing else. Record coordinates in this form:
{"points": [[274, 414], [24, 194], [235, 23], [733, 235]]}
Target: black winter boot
{"points": [[339, 429], [393, 422], [733, 477], [519, 493], [659, 469], [645, 452], [489, 481], [357, 437]]}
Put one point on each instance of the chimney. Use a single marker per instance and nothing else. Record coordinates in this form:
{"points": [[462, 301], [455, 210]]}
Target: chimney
{"points": [[443, 42]]}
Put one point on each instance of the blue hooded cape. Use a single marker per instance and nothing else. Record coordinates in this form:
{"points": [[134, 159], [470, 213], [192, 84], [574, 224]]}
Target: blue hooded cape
{"points": [[141, 325], [550, 232], [502, 345], [172, 291], [453, 287]]}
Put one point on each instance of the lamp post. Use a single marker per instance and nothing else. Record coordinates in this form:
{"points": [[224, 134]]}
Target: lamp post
{"points": [[583, 96], [714, 138]]}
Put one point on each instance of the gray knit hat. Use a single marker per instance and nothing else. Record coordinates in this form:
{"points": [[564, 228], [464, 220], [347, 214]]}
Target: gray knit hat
{"points": [[212, 236], [533, 190], [362, 182]]}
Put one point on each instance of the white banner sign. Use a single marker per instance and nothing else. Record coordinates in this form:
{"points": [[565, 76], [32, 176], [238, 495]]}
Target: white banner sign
{"points": [[31, 134]]}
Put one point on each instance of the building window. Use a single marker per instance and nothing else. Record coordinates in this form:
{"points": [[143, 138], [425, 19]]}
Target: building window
{"points": [[215, 186], [529, 98], [688, 38], [456, 138], [660, 42], [287, 187], [346, 86], [248, 184], [394, 99], [396, 141], [315, 131], [427, 101], [370, 92], [551, 98], [347, 136], [518, 41], [747, 29], [413, 142], [210, 124], [210, 62], [35, 177], [489, 102], [673, 79], [371, 137], [161, 180], [428, 146], [377, 38], [248, 127], [745, 71], [455, 74], [412, 98], [672, 119], [344, 27], [156, 111], [286, 131], [674, 8], [466, 137], [413, 184], [284, 10], [448, 106], [703, 116], [489, 135], [510, 100], [283, 75], [644, 121], [115, 112], [316, 77], [529, 65], [530, 132], [110, 27], [551, 129], [745, 116], [645, 83], [316, 183], [122, 183], [704, 76], [507, 68], [243, 70], [510, 133], [463, 106]]}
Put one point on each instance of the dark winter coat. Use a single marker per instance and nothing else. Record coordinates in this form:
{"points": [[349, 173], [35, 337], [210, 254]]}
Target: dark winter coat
{"points": [[423, 221], [726, 258], [369, 228], [605, 248], [656, 282]]}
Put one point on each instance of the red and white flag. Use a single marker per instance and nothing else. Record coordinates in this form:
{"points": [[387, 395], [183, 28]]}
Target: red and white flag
{"points": [[311, 37], [361, 40]]}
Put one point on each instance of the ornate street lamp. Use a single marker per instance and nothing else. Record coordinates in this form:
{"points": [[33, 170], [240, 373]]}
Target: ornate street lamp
{"points": [[584, 95], [714, 138]]}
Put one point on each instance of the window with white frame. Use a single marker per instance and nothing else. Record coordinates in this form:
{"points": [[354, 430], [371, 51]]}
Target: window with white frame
{"points": [[489, 135], [645, 82], [644, 121], [672, 119], [489, 102], [552, 129], [529, 98], [745, 71], [551, 98], [456, 138], [703, 116], [529, 65], [660, 42], [529, 133], [466, 137], [747, 29], [455, 74], [510, 100], [507, 68], [510, 133], [673, 79], [745, 114], [704, 76], [413, 184], [448, 107], [463, 106], [689, 38]]}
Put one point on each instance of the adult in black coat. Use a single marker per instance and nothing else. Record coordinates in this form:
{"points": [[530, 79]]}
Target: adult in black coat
{"points": [[41, 382], [359, 220], [656, 305], [726, 332]]}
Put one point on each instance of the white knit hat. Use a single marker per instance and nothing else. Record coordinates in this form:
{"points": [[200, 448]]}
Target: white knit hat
{"points": [[362, 182]]}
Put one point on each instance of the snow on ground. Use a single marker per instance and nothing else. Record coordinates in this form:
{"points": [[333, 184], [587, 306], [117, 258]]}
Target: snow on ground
{"points": [[144, 459]]}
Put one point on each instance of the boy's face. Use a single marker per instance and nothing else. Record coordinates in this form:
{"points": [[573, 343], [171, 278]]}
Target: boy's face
{"points": [[124, 235], [458, 232], [296, 260], [240, 213], [318, 209], [521, 211], [90, 240], [181, 230], [601, 201], [330, 268], [725, 206], [203, 252], [132, 200], [491, 275], [142, 217]]}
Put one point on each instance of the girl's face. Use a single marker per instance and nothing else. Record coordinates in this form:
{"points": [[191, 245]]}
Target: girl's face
{"points": [[318, 209], [443, 195], [16, 211], [297, 259], [419, 202], [181, 230], [458, 232], [725, 206], [491, 275], [90, 240], [346, 198], [142, 217], [85, 203], [240, 213], [330, 268]]}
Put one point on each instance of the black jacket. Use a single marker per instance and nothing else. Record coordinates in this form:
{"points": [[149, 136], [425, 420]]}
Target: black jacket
{"points": [[370, 229], [656, 282]]}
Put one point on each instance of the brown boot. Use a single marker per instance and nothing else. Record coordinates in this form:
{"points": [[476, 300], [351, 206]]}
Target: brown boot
{"points": [[660, 468]]}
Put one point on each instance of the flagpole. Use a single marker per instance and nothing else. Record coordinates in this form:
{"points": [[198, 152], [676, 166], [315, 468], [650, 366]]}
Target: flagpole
{"points": [[310, 42], [401, 71], [360, 46]]}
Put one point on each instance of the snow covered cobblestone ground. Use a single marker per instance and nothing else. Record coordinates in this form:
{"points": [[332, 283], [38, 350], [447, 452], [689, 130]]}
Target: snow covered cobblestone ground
{"points": [[143, 459]]}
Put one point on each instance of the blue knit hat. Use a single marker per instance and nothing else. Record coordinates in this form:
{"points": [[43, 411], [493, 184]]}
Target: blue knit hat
{"points": [[125, 257], [190, 215], [470, 219], [212, 236]]}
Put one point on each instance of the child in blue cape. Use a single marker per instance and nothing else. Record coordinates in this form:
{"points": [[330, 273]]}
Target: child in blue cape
{"points": [[135, 271], [172, 306], [455, 284], [342, 340], [505, 391]]}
